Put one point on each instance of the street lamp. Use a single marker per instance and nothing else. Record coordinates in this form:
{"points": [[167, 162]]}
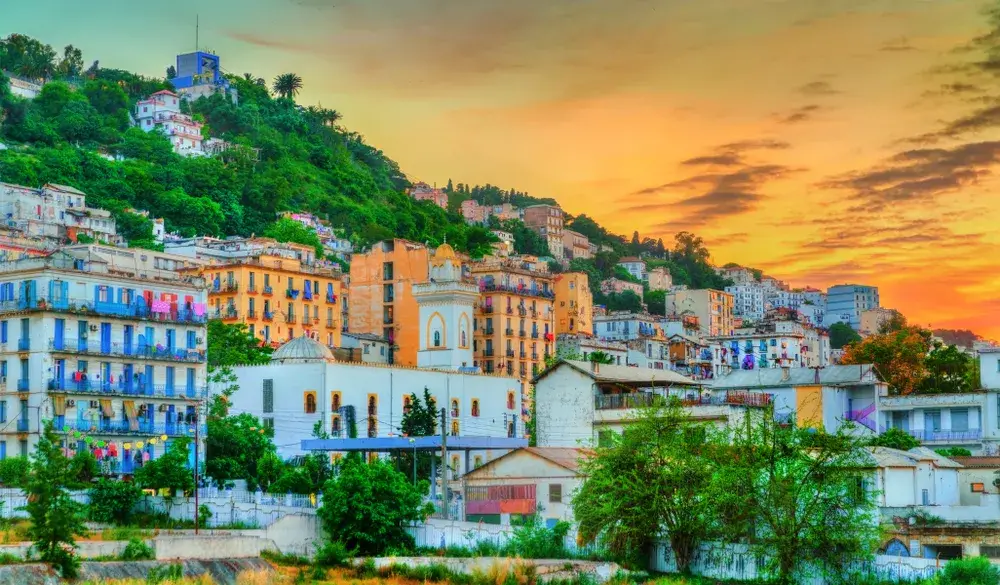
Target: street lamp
{"points": [[414, 443]]}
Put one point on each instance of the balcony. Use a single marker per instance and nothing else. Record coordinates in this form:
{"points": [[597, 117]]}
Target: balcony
{"points": [[509, 331], [488, 331], [519, 290], [121, 388], [331, 298], [126, 350], [330, 323], [524, 355], [292, 294], [534, 355], [127, 428], [523, 312], [267, 290], [252, 314], [307, 294], [229, 287], [268, 316], [22, 426], [486, 309], [510, 310], [290, 319], [941, 436], [23, 344], [306, 321], [623, 401], [387, 320], [252, 289], [488, 352], [23, 385], [510, 353], [534, 335], [160, 311], [522, 333], [534, 312]]}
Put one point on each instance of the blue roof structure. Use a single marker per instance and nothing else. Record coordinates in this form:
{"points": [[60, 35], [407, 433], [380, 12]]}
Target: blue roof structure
{"points": [[382, 444]]}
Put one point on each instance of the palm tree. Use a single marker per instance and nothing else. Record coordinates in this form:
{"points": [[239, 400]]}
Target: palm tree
{"points": [[287, 85], [600, 357]]}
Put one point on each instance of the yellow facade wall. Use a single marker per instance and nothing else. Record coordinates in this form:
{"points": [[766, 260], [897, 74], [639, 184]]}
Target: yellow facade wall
{"points": [[574, 303], [809, 406]]}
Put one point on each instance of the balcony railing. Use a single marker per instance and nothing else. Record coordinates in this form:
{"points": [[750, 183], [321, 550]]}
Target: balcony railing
{"points": [[306, 320], [534, 355], [268, 316], [534, 335], [488, 352], [23, 344], [929, 436], [252, 314], [252, 289], [509, 331], [267, 290], [134, 388], [522, 333], [22, 426], [148, 352], [510, 353], [292, 293], [524, 355], [622, 401], [290, 319], [23, 385], [135, 310], [330, 323], [486, 309], [177, 429], [488, 331], [331, 298], [519, 290]]}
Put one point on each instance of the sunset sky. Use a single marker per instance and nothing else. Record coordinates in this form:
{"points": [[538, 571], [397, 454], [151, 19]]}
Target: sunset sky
{"points": [[824, 141]]}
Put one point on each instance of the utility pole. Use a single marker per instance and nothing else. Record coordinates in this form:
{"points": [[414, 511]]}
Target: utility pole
{"points": [[444, 458], [196, 442]]}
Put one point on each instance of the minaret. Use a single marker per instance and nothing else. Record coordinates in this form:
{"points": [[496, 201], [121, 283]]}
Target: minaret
{"points": [[446, 306]]}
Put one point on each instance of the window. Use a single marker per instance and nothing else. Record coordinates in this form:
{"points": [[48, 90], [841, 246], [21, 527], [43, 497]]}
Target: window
{"points": [[268, 396], [437, 339], [335, 425], [335, 401], [454, 428], [978, 488], [478, 462], [406, 404], [475, 407], [960, 419], [309, 400], [454, 408], [510, 401], [555, 493], [269, 423]]}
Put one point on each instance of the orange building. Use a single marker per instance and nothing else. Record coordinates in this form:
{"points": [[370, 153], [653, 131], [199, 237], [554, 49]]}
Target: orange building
{"points": [[279, 290], [574, 304], [515, 320], [382, 301]]}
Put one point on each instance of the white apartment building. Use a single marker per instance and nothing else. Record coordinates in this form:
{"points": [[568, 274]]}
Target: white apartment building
{"points": [[846, 302], [634, 266], [737, 274], [572, 345], [54, 212], [109, 344], [304, 385], [649, 352], [788, 299], [624, 326], [968, 419], [162, 111], [748, 300]]}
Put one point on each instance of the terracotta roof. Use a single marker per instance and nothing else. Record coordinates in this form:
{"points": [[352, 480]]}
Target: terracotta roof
{"points": [[978, 462], [568, 457], [630, 259], [622, 374]]}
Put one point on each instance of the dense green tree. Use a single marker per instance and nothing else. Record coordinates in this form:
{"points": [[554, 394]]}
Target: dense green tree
{"points": [[71, 64], [841, 334], [623, 301], [113, 501], [56, 519], [420, 419], [14, 471], [168, 471], [656, 301], [368, 506], [949, 369], [898, 357], [289, 230], [895, 439]]}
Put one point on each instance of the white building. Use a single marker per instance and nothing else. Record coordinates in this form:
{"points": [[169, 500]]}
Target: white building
{"points": [[918, 477], [162, 111], [109, 344], [845, 303], [373, 349], [304, 385], [812, 313], [623, 325], [634, 266], [54, 212], [578, 402], [989, 368], [737, 274], [532, 480], [445, 306], [748, 300], [788, 299], [649, 352], [967, 419]]}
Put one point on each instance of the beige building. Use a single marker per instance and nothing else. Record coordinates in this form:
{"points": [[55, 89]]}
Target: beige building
{"points": [[618, 286], [547, 221], [659, 279], [576, 245], [872, 320], [574, 304], [505, 247], [714, 309]]}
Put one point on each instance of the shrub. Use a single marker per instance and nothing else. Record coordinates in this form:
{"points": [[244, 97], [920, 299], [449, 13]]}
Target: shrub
{"points": [[204, 515], [137, 550], [284, 559], [972, 571], [13, 471], [9, 559], [534, 540], [333, 554], [113, 501]]}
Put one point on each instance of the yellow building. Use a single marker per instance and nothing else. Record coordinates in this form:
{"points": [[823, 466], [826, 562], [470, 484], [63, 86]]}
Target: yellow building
{"points": [[515, 320], [574, 304], [382, 301], [714, 309], [277, 289]]}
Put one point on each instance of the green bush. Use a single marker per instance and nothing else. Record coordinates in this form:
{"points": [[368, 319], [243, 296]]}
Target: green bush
{"points": [[534, 540], [204, 515], [971, 571], [13, 471], [137, 550], [10, 559], [283, 559], [113, 501], [333, 554]]}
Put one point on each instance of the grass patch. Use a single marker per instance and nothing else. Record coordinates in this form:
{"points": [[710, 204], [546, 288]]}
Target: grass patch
{"points": [[284, 559], [125, 533]]}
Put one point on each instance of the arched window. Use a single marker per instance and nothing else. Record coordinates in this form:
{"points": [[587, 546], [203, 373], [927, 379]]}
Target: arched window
{"points": [[372, 406], [372, 429], [510, 401], [465, 342], [510, 429], [475, 407], [406, 404], [335, 425], [310, 403], [437, 339], [454, 407], [454, 428], [335, 401], [454, 463], [479, 461]]}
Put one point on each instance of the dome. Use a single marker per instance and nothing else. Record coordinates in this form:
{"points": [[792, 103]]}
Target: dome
{"points": [[302, 349], [443, 254]]}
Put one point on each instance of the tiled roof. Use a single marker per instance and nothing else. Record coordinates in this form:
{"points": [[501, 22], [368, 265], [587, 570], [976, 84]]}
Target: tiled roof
{"points": [[979, 462], [568, 457], [624, 374]]}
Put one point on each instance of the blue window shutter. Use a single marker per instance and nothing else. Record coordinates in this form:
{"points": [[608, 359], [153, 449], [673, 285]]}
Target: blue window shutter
{"points": [[65, 290], [52, 289]]}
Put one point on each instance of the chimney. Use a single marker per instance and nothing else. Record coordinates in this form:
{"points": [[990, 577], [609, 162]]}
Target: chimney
{"points": [[595, 367]]}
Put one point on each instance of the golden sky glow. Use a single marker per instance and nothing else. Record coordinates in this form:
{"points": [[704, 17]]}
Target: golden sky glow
{"points": [[824, 141]]}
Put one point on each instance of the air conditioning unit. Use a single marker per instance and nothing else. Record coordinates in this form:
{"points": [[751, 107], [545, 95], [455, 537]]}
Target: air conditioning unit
{"points": [[70, 403], [93, 327], [95, 404], [163, 408]]}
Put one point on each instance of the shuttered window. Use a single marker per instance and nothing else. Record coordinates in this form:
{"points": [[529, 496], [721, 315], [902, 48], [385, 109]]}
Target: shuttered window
{"points": [[268, 396]]}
